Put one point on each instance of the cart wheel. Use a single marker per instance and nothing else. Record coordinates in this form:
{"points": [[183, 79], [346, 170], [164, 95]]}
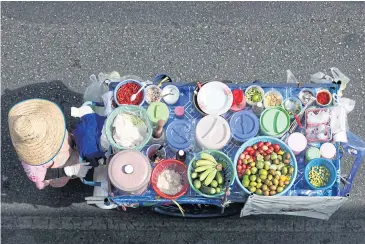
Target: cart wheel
{"points": [[199, 212]]}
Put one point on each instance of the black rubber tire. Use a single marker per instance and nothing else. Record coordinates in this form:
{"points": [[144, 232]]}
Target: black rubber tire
{"points": [[196, 212]]}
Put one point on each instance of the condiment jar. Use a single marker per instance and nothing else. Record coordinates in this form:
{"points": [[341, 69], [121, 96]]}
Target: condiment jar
{"points": [[130, 172], [312, 153], [328, 150], [297, 142]]}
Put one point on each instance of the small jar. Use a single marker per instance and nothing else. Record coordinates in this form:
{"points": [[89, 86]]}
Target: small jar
{"points": [[328, 150], [258, 108], [312, 153]]}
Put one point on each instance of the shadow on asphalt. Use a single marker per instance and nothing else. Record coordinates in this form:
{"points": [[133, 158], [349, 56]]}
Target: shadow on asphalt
{"points": [[16, 187]]}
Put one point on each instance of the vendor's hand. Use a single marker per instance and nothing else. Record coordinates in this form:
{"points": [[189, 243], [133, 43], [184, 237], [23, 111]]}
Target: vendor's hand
{"points": [[80, 170]]}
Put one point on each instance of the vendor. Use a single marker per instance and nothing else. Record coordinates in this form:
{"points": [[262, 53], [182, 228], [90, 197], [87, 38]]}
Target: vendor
{"points": [[44, 146]]}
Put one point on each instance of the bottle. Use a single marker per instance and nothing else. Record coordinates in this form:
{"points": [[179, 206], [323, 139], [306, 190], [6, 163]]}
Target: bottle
{"points": [[181, 155], [258, 108]]}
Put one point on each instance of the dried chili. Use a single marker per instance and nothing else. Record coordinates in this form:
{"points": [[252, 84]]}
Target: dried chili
{"points": [[125, 92]]}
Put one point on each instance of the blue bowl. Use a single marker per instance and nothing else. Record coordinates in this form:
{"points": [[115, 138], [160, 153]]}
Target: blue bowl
{"points": [[126, 82], [321, 162], [273, 140]]}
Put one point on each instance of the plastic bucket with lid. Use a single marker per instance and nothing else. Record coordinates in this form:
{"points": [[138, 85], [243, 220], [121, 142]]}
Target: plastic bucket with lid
{"points": [[179, 135], [130, 172], [244, 125], [274, 122], [212, 132]]}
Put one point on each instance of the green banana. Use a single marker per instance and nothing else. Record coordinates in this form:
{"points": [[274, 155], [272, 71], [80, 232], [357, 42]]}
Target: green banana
{"points": [[204, 162], [210, 177], [203, 168], [205, 174], [219, 177], [209, 157]]}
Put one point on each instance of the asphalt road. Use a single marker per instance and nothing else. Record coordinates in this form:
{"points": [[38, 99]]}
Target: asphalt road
{"points": [[49, 50]]}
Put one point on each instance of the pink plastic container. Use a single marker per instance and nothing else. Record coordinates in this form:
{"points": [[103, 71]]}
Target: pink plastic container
{"points": [[297, 143], [130, 172]]}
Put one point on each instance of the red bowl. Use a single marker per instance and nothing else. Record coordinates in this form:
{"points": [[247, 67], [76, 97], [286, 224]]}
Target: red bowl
{"points": [[179, 167]]}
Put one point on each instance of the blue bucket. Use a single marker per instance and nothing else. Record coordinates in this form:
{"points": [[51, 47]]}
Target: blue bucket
{"points": [[321, 162]]}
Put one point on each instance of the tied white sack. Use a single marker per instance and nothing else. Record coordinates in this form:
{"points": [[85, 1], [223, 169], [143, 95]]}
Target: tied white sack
{"points": [[307, 206]]}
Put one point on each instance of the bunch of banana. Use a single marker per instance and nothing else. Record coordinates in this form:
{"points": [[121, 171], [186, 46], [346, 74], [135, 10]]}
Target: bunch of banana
{"points": [[207, 174]]}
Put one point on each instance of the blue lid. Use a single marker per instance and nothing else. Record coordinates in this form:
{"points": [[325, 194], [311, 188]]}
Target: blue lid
{"points": [[244, 125], [178, 134]]}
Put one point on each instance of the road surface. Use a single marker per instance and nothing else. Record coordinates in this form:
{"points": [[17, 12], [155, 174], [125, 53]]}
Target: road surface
{"points": [[50, 49]]}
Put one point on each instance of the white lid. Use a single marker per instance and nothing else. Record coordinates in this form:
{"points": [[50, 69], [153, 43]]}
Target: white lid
{"points": [[213, 132], [328, 150]]}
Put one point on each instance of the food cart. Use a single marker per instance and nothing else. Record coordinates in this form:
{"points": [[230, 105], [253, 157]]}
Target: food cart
{"points": [[299, 198]]}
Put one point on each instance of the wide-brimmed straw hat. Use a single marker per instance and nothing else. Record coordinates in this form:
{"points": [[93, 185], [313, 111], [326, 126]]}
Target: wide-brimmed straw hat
{"points": [[37, 129]]}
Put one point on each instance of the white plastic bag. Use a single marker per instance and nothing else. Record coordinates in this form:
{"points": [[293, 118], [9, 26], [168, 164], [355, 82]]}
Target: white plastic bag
{"points": [[290, 78], [95, 90]]}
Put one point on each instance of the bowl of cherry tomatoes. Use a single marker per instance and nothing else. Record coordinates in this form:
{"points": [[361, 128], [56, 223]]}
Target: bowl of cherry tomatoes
{"points": [[265, 166]]}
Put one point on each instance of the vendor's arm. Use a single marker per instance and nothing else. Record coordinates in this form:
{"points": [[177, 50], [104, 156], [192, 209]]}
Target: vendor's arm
{"points": [[53, 173], [37, 175]]}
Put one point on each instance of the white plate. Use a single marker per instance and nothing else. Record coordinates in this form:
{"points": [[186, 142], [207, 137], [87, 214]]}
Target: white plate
{"points": [[215, 98]]}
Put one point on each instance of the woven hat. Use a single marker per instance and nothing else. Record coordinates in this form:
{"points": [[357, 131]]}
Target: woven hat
{"points": [[37, 130]]}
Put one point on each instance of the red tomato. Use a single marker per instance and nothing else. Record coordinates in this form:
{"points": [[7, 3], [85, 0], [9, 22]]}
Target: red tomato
{"points": [[260, 144], [264, 148], [245, 153], [276, 147], [271, 148], [255, 147], [239, 162], [244, 166], [261, 151], [252, 153], [268, 143], [243, 171], [239, 167], [249, 148], [265, 153], [269, 151], [248, 156], [248, 166]]}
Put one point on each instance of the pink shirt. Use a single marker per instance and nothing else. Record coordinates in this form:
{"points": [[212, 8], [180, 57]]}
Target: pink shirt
{"points": [[65, 157]]}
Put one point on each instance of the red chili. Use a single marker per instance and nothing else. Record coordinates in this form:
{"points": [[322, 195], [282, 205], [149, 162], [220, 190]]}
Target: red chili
{"points": [[125, 92], [323, 98]]}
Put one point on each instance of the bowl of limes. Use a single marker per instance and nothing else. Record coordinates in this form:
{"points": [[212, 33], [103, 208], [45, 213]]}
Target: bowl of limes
{"points": [[254, 94]]}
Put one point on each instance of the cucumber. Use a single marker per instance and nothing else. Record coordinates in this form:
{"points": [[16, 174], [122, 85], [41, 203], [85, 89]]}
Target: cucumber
{"points": [[194, 175], [219, 177], [197, 184], [207, 190], [214, 183]]}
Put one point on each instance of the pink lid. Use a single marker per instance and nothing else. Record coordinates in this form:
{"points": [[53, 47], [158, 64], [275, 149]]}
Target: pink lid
{"points": [[328, 150], [129, 170], [297, 142], [179, 110], [213, 132]]}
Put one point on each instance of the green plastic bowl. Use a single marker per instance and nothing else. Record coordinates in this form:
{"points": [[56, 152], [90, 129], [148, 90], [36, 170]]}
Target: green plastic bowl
{"points": [[131, 109], [228, 171]]}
